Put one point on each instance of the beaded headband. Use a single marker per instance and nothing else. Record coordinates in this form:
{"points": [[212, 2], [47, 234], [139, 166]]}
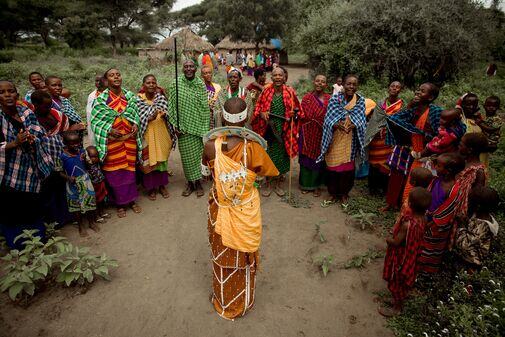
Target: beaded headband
{"points": [[235, 118]]}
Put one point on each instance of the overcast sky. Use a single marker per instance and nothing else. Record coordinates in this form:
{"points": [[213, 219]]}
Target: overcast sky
{"points": [[180, 4]]}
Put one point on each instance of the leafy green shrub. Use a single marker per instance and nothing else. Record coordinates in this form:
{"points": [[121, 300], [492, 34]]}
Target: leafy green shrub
{"points": [[6, 56], [57, 260]]}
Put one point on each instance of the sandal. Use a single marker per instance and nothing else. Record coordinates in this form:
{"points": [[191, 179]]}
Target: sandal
{"points": [[328, 203], [164, 192], [279, 191], [305, 191], [121, 212], [136, 208], [266, 192], [199, 190], [152, 195], [189, 189], [316, 193]]}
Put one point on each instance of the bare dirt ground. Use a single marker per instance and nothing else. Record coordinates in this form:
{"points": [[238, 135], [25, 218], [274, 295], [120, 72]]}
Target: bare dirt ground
{"points": [[163, 282]]}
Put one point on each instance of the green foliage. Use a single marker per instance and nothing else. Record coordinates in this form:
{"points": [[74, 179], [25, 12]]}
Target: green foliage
{"points": [[396, 39], [364, 219], [319, 234], [360, 261], [324, 263], [57, 260]]}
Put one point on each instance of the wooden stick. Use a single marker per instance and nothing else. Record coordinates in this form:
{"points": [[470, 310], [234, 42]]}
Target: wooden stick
{"points": [[291, 159]]}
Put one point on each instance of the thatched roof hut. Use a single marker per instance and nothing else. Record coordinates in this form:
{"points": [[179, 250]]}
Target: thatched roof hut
{"points": [[187, 41], [228, 44]]}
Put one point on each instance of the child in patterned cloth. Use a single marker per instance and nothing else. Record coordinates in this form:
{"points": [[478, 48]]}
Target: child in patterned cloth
{"points": [[474, 240], [492, 124], [80, 192], [98, 180]]}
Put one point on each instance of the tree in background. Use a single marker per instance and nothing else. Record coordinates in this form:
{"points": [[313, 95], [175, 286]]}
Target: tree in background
{"points": [[399, 39]]}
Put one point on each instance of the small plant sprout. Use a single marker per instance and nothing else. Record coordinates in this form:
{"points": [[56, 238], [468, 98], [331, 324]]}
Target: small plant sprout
{"points": [[319, 234], [363, 219], [360, 261], [324, 263]]}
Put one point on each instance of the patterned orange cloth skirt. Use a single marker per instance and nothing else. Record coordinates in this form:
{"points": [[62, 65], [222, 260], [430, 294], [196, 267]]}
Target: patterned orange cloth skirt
{"points": [[234, 274]]}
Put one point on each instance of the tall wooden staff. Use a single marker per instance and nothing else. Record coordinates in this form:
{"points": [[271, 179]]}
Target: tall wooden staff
{"points": [[176, 86], [291, 159]]}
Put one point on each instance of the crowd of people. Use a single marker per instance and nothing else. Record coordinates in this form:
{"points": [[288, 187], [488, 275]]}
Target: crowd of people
{"points": [[429, 162]]}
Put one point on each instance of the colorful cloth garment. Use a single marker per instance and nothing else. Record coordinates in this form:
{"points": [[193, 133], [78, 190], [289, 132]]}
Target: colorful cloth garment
{"points": [[289, 127], [375, 135], [157, 138], [400, 262], [493, 136], [104, 115], [446, 141], [213, 91], [191, 150], [276, 150], [63, 104], [89, 107], [194, 112], [28, 96], [80, 194], [311, 129], [123, 187], [98, 179], [235, 225], [24, 167], [441, 228], [474, 240], [341, 110], [466, 179], [54, 125]]}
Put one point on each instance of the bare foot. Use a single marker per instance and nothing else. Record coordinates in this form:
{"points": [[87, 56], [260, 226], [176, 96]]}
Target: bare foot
{"points": [[152, 195], [317, 193], [121, 212]]}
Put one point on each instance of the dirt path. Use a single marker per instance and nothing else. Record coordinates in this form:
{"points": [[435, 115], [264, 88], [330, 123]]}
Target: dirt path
{"points": [[162, 285]]}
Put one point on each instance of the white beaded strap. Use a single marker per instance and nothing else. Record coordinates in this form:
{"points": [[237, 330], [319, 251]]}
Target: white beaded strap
{"points": [[205, 170], [235, 118]]}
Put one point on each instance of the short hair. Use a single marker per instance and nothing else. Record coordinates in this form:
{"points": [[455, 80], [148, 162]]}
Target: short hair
{"points": [[434, 90], [470, 95], [494, 98], [144, 79], [346, 77], [12, 83], [91, 148], [69, 135], [419, 199], [38, 97], [235, 105], [35, 73], [107, 71], [258, 72], [484, 198], [422, 176], [51, 77], [455, 163], [476, 141]]}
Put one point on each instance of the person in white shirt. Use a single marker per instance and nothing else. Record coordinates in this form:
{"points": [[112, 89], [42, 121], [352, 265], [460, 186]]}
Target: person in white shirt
{"points": [[338, 87]]}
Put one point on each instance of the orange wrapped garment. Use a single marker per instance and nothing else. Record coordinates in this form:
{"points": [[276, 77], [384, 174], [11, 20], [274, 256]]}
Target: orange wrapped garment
{"points": [[235, 225]]}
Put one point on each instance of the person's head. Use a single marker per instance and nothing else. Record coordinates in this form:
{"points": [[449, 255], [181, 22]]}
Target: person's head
{"points": [[483, 199], [419, 200], [97, 80], [150, 84], [189, 69], [234, 78], [285, 74], [43, 87], [448, 165], [235, 112], [102, 84], [8, 95], [260, 76], [426, 93], [449, 117], [470, 105], [394, 89], [42, 102], [35, 78], [350, 85], [339, 80], [320, 83], [473, 144], [93, 154], [65, 92], [420, 177], [114, 78], [278, 77], [54, 85], [492, 105], [207, 73], [72, 141]]}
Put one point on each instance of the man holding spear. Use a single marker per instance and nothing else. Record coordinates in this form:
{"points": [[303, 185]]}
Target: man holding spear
{"points": [[275, 119], [189, 113]]}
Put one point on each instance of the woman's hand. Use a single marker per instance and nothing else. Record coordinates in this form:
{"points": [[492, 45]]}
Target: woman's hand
{"points": [[115, 133], [134, 129], [22, 137], [265, 115], [77, 127]]}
